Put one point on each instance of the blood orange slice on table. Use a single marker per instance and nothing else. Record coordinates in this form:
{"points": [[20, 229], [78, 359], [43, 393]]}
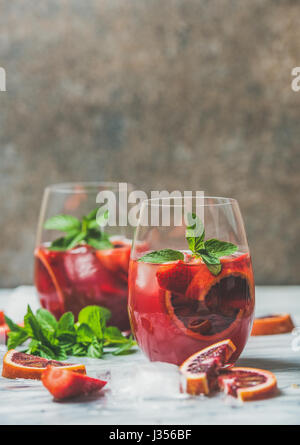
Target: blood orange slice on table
{"points": [[26, 366], [200, 371], [248, 383], [272, 324], [63, 383], [210, 306]]}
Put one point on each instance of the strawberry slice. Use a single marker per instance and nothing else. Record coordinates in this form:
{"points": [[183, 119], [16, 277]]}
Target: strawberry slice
{"points": [[175, 277], [63, 384]]}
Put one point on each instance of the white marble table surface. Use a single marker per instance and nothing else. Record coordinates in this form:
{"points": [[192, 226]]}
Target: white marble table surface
{"points": [[127, 400]]}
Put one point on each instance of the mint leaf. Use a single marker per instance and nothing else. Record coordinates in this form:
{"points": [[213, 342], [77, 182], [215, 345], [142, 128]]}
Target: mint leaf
{"points": [[66, 346], [195, 226], [125, 349], [32, 326], [65, 326], [93, 225], [63, 223], [84, 334], [12, 326], [195, 233], [212, 262], [99, 244], [102, 217], [95, 349], [17, 334], [162, 256], [105, 315], [46, 320], [76, 240], [35, 330], [79, 350], [215, 269], [219, 248], [63, 243], [95, 317], [16, 338], [67, 242], [92, 215], [112, 335], [91, 219]]}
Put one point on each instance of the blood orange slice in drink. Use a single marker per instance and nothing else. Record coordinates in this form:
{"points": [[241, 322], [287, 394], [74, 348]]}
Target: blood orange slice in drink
{"points": [[26, 366], [248, 383], [272, 324], [213, 306], [63, 383], [116, 259], [50, 277], [201, 369]]}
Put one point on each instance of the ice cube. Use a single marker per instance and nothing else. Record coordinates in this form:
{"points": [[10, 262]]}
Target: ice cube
{"points": [[80, 264], [154, 380]]}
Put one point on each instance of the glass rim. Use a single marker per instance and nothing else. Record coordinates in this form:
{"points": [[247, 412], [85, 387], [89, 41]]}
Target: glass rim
{"points": [[86, 186], [165, 201]]}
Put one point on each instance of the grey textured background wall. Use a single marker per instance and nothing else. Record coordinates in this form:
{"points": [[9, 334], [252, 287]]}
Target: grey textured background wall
{"points": [[169, 94]]}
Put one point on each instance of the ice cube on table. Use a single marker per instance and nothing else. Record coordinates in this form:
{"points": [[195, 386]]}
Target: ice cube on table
{"points": [[153, 380]]}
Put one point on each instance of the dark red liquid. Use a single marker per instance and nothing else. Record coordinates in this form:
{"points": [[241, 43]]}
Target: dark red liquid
{"points": [[171, 324], [73, 279]]}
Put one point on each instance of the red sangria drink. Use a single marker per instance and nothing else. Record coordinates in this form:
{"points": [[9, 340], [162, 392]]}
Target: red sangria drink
{"points": [[178, 308], [181, 301], [72, 279], [80, 259]]}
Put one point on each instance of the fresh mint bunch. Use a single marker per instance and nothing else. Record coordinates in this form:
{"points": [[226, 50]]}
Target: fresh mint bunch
{"points": [[56, 340], [210, 250], [88, 230]]}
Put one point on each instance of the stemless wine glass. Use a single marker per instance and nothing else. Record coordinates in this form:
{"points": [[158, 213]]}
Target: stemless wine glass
{"points": [[197, 292], [73, 270]]}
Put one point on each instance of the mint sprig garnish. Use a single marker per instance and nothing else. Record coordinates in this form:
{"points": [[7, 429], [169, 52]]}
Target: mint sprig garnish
{"points": [[56, 340], [89, 231], [209, 251]]}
